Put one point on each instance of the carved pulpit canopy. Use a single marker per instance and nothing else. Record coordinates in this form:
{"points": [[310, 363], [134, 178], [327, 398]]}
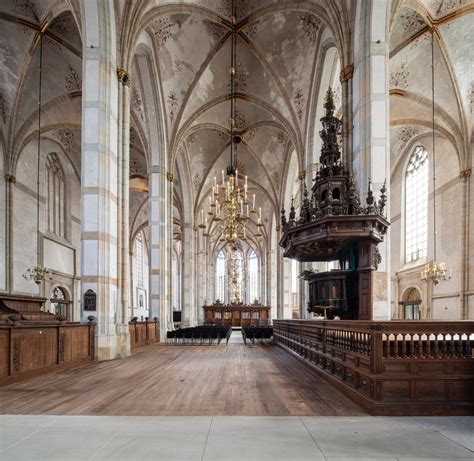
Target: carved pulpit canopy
{"points": [[332, 215]]}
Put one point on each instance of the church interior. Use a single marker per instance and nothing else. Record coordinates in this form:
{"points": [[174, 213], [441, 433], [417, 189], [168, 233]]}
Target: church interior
{"points": [[236, 229]]}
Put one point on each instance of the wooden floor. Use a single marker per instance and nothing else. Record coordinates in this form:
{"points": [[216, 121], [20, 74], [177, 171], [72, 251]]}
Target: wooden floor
{"points": [[260, 380]]}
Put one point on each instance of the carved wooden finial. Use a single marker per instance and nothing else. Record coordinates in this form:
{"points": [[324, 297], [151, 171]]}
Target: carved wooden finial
{"points": [[329, 95]]}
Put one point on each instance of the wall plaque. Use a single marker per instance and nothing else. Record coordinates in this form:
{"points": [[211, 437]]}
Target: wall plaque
{"points": [[90, 300]]}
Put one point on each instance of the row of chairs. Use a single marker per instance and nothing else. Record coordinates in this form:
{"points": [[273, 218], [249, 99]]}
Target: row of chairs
{"points": [[257, 333], [200, 334]]}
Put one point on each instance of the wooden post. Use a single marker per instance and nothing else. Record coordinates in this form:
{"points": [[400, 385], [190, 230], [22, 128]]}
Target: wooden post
{"points": [[58, 345], [91, 319], [157, 330], [376, 352], [324, 338], [10, 352]]}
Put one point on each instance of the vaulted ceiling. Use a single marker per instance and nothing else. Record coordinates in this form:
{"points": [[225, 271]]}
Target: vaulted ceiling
{"points": [[20, 20], [410, 72], [278, 47]]}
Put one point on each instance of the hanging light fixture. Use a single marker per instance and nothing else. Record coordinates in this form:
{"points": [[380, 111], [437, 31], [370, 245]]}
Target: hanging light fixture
{"points": [[434, 271], [229, 205], [38, 273]]}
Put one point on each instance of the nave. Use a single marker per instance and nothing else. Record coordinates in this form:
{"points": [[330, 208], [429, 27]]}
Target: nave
{"points": [[160, 380]]}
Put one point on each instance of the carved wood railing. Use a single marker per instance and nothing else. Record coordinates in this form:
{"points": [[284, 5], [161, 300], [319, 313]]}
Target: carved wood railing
{"points": [[29, 349], [143, 333], [396, 368]]}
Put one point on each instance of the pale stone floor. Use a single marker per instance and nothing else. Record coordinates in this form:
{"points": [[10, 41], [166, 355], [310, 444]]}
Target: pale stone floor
{"points": [[235, 438]]}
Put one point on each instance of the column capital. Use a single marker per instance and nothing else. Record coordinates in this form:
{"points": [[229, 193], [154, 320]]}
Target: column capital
{"points": [[10, 178], [170, 176], [302, 175], [464, 174], [124, 76], [346, 73]]}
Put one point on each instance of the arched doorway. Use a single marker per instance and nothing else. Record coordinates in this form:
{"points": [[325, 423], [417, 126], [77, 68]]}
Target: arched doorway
{"points": [[60, 303], [411, 304]]}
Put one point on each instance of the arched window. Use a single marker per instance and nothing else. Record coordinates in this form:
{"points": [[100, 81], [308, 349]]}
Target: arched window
{"points": [[139, 256], [56, 191], [60, 303], [416, 205], [411, 304], [220, 276], [254, 292]]}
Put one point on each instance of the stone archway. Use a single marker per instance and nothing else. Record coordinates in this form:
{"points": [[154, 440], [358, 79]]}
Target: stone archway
{"points": [[411, 304], [61, 303]]}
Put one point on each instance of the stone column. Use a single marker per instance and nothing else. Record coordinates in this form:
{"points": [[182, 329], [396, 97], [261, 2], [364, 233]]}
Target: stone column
{"points": [[3, 226], [8, 203], [170, 184], [370, 107], [99, 168], [131, 300], [345, 78], [159, 247], [204, 286], [465, 292], [123, 257], [189, 299]]}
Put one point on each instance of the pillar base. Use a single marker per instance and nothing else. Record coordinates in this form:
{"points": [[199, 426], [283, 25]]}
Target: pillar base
{"points": [[114, 346], [123, 348]]}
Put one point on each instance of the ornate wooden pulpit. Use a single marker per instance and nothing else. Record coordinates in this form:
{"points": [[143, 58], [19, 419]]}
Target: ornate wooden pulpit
{"points": [[334, 226]]}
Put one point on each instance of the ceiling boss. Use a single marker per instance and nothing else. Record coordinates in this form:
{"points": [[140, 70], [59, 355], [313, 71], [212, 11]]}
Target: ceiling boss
{"points": [[229, 205]]}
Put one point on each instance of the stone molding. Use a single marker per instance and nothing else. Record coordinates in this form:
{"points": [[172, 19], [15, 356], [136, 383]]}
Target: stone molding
{"points": [[123, 76], [346, 73], [464, 174]]}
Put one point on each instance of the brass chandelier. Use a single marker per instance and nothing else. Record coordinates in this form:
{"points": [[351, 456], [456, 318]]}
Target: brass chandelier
{"points": [[228, 204], [434, 271], [38, 273]]}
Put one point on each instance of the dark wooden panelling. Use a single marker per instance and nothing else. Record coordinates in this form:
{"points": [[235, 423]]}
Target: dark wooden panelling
{"points": [[29, 349], [143, 333], [399, 368]]}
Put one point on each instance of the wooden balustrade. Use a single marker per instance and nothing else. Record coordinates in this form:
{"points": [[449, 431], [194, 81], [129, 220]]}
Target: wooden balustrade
{"points": [[143, 333], [392, 368], [32, 349]]}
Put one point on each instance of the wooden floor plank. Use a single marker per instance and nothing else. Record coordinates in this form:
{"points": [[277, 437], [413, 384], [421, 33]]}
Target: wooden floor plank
{"points": [[252, 380]]}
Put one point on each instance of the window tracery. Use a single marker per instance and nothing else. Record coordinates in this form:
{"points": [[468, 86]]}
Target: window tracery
{"points": [[254, 292], [56, 193], [416, 205], [140, 259], [220, 276]]}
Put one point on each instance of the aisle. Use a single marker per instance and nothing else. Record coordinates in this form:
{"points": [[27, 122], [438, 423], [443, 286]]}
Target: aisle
{"points": [[236, 338], [233, 379]]}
